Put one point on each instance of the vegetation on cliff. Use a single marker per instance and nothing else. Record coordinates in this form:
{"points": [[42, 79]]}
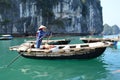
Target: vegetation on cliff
{"points": [[60, 16]]}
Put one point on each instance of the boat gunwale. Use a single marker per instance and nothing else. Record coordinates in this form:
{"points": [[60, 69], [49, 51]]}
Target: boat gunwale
{"points": [[75, 52]]}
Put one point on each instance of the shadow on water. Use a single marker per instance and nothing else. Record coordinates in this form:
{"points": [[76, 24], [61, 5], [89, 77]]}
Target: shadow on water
{"points": [[58, 69]]}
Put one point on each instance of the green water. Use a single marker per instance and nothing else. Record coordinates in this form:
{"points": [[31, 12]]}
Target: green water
{"points": [[105, 67]]}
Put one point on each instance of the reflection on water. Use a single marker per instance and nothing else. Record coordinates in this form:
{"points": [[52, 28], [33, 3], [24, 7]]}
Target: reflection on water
{"points": [[60, 69]]}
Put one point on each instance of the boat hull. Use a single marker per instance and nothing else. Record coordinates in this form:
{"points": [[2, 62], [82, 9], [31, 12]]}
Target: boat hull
{"points": [[53, 42], [6, 37], [59, 42], [84, 54], [91, 40]]}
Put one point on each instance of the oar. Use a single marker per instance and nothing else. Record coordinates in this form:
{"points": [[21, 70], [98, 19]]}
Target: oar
{"points": [[17, 57], [13, 60], [46, 44], [49, 37]]}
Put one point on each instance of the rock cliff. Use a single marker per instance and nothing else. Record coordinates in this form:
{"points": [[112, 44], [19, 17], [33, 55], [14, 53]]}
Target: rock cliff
{"points": [[111, 30], [60, 16]]}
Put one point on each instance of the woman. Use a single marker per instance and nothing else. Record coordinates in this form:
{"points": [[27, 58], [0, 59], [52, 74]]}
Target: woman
{"points": [[40, 35]]}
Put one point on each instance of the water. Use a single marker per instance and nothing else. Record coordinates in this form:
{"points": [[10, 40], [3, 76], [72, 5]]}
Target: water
{"points": [[105, 67]]}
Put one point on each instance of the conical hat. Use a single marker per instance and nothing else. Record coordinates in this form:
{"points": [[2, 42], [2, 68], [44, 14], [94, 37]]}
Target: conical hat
{"points": [[41, 27]]}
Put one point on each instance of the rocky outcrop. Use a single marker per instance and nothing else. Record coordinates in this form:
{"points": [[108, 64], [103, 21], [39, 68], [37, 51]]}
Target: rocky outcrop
{"points": [[60, 16], [111, 30], [115, 29]]}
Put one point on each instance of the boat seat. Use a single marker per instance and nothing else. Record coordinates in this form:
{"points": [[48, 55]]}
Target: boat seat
{"points": [[72, 46], [77, 46], [96, 44], [84, 45], [66, 47]]}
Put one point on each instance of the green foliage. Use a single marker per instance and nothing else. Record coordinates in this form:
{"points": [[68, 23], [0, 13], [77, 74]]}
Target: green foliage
{"points": [[98, 0], [24, 1], [47, 13], [46, 4], [4, 22], [83, 1], [59, 22], [5, 3], [46, 7], [84, 10]]}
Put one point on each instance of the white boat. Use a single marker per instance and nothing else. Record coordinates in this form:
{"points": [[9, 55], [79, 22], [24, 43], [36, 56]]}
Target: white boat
{"points": [[6, 37], [89, 40]]}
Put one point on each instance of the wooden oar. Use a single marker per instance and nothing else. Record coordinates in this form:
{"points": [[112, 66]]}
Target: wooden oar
{"points": [[13, 60], [49, 38], [46, 44], [18, 56]]}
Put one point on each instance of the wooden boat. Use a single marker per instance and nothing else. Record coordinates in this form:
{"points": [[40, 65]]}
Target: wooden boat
{"points": [[6, 37], [70, 51], [89, 40], [53, 42]]}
